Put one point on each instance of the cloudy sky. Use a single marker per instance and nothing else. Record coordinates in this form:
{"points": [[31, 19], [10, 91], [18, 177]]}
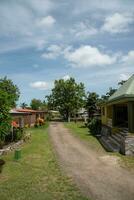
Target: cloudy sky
{"points": [[44, 40]]}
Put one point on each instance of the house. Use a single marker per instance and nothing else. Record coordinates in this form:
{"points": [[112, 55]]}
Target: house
{"points": [[117, 116], [83, 114], [26, 117], [19, 117]]}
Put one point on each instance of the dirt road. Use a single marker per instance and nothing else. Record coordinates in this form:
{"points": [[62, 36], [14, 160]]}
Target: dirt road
{"points": [[98, 176]]}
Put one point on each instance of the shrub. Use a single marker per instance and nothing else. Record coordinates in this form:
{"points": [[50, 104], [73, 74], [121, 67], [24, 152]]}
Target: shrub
{"points": [[95, 126], [1, 144], [16, 135], [39, 122], [27, 126]]}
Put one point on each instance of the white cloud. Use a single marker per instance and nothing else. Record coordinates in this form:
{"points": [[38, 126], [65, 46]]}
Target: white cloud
{"points": [[66, 77], [53, 51], [46, 21], [124, 77], [40, 44], [83, 6], [25, 24], [129, 58], [88, 56], [40, 6], [41, 85], [117, 23], [83, 30]]}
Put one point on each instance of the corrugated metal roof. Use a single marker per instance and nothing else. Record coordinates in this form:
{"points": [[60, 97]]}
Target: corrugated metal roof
{"points": [[125, 91], [13, 112], [21, 110], [26, 110]]}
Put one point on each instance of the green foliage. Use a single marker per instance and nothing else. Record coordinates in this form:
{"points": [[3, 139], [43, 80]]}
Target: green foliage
{"points": [[67, 97], [108, 94], [81, 131], [9, 94], [10, 91], [16, 135], [5, 121], [37, 104], [122, 82], [91, 103], [95, 126]]}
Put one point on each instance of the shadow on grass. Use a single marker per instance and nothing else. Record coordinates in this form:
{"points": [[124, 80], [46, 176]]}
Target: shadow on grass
{"points": [[89, 132], [83, 126]]}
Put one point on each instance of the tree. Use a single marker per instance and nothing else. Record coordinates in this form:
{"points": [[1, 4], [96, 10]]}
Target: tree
{"points": [[9, 94], [67, 97], [12, 92], [91, 103], [23, 105], [108, 94], [36, 104], [121, 82]]}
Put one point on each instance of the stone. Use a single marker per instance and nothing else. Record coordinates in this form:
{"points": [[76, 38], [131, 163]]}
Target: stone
{"points": [[10, 147]]}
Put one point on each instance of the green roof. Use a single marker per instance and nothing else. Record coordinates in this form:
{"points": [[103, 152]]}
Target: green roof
{"points": [[125, 91]]}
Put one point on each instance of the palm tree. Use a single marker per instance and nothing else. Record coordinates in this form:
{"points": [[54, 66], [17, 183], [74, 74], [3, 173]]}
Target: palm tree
{"points": [[23, 105]]}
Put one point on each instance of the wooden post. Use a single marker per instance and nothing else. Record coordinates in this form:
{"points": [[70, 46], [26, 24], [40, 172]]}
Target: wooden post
{"points": [[113, 115]]}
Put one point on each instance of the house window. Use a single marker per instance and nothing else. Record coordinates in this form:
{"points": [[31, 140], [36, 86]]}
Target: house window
{"points": [[103, 110]]}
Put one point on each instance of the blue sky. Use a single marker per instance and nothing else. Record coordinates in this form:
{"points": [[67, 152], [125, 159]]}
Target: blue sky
{"points": [[44, 40]]}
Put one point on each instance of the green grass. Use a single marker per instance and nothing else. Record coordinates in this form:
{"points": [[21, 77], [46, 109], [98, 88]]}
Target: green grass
{"points": [[79, 129], [36, 176], [125, 161]]}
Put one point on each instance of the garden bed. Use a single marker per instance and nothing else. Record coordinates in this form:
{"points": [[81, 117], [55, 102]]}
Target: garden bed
{"points": [[10, 147]]}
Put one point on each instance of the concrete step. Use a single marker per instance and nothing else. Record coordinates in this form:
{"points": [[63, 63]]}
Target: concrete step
{"points": [[123, 132], [117, 138], [114, 140], [109, 145]]}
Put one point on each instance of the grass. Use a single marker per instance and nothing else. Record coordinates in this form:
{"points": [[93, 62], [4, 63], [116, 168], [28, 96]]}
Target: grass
{"points": [[79, 130], [126, 161], [36, 176]]}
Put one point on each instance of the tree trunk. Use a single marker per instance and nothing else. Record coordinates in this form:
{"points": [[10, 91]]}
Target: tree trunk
{"points": [[68, 117], [75, 119]]}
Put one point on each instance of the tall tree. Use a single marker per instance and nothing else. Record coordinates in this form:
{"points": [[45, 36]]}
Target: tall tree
{"points": [[9, 94], [108, 94], [12, 92], [91, 103], [36, 104], [67, 97]]}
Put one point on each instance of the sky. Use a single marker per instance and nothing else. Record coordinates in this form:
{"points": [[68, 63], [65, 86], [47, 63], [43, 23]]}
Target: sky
{"points": [[45, 40]]}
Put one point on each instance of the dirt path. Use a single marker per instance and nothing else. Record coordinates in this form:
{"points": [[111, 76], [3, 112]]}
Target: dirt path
{"points": [[98, 176]]}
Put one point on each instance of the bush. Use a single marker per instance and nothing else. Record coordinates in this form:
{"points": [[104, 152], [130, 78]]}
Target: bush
{"points": [[15, 136], [19, 132], [95, 126], [1, 144], [39, 122]]}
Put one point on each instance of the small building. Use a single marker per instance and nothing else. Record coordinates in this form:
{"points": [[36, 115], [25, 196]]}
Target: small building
{"points": [[26, 117], [117, 116], [19, 117]]}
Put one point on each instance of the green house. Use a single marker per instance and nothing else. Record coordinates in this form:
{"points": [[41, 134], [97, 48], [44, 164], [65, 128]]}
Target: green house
{"points": [[118, 112]]}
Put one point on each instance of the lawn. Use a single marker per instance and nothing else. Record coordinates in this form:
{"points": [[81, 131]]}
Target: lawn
{"points": [[79, 130], [36, 176]]}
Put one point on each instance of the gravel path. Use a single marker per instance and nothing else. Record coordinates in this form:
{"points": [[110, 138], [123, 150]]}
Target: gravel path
{"points": [[98, 176]]}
